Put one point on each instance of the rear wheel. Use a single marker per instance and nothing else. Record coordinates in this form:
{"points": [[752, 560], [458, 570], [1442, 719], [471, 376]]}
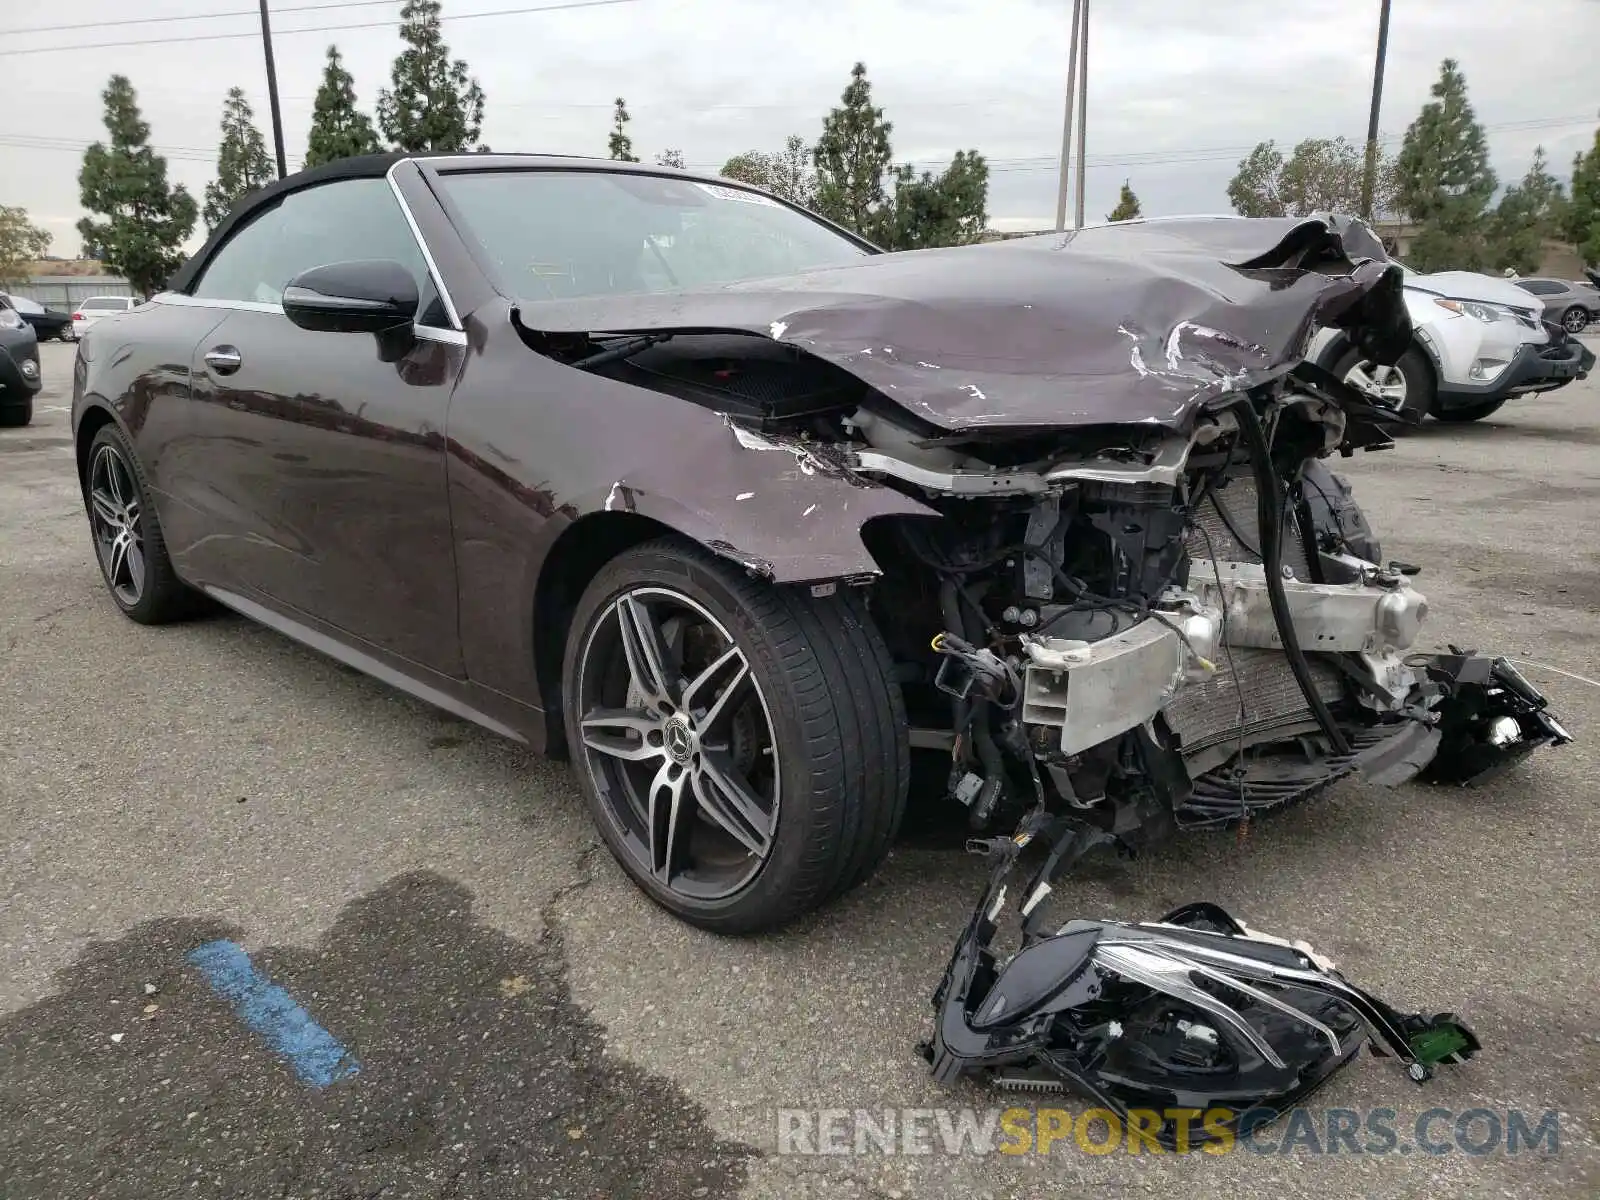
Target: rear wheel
{"points": [[127, 536], [1473, 412], [1575, 319], [1406, 388], [742, 747]]}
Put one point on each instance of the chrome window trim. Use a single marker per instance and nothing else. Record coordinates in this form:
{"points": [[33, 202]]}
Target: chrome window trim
{"points": [[453, 335], [186, 301], [427, 254], [428, 333]]}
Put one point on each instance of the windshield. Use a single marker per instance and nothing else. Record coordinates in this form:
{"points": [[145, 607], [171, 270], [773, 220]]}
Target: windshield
{"points": [[561, 234]]}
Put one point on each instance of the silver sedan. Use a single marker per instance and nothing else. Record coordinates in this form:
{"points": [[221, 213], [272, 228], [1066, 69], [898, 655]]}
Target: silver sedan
{"points": [[1571, 305]]}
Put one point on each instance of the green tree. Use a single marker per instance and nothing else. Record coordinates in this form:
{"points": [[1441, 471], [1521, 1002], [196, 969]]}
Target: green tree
{"points": [[1528, 213], [1443, 180], [852, 158], [145, 219], [338, 128], [1253, 190], [242, 162], [943, 210], [21, 241], [1581, 220], [434, 104], [1127, 205], [670, 158], [1320, 175], [620, 145], [787, 174]]}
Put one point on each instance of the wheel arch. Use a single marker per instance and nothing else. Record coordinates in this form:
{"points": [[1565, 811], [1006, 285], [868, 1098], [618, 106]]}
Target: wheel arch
{"points": [[95, 418], [577, 555]]}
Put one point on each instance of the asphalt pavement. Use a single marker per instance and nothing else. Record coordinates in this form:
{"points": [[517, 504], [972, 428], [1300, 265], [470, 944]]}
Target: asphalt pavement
{"points": [[426, 907]]}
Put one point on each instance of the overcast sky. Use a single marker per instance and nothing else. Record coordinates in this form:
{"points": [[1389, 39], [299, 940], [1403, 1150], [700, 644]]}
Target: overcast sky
{"points": [[1178, 89]]}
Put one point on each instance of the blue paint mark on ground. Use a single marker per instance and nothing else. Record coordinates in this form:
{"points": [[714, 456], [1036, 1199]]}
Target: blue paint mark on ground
{"points": [[271, 1012]]}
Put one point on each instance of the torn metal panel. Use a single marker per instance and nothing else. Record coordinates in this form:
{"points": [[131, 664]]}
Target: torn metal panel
{"points": [[1143, 322]]}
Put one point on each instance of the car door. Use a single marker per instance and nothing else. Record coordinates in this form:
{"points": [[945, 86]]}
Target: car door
{"points": [[317, 466]]}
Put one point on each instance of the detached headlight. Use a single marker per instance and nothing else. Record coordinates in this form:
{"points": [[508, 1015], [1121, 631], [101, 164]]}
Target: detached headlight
{"points": [[1478, 310], [9, 319]]}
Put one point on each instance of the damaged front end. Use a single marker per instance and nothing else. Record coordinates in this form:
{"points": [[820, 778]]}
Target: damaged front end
{"points": [[1194, 1013], [1137, 591]]}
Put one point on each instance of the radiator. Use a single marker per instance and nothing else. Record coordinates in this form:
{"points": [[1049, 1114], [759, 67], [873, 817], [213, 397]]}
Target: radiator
{"points": [[1206, 714]]}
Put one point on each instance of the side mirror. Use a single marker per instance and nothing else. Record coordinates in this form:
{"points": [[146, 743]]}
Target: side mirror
{"points": [[372, 296]]}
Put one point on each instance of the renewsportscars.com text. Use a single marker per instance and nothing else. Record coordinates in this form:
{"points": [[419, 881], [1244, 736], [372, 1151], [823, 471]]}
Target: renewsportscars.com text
{"points": [[1052, 1130]]}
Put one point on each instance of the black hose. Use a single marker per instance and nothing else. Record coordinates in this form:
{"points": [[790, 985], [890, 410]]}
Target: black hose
{"points": [[994, 766], [950, 609], [1269, 515]]}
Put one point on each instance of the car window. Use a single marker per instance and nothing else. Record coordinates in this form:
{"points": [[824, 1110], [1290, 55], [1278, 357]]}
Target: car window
{"points": [[554, 234], [334, 222]]}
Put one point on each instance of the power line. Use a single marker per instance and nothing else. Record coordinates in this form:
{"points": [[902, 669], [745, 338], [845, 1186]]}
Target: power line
{"points": [[235, 12], [1003, 165], [389, 24]]}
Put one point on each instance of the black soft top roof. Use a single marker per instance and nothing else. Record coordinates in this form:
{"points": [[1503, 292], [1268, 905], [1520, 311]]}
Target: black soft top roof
{"points": [[375, 166]]}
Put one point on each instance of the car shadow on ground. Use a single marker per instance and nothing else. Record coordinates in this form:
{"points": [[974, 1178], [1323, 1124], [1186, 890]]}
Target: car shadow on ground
{"points": [[1489, 427], [474, 1074]]}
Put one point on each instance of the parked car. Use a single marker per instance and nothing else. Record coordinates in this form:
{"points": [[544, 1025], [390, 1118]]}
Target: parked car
{"points": [[1571, 305], [92, 309], [47, 322], [19, 366], [666, 473], [1478, 342]]}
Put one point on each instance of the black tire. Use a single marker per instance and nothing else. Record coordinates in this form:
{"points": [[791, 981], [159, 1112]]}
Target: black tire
{"points": [[1473, 412], [1417, 375], [1575, 319], [14, 415], [161, 596], [835, 716]]}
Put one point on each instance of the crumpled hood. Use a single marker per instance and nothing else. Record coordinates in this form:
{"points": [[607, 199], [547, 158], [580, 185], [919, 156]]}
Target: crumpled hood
{"points": [[1141, 322]]}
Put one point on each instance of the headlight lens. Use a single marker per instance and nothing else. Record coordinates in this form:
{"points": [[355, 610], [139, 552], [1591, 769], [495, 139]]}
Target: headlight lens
{"points": [[1478, 310], [9, 319]]}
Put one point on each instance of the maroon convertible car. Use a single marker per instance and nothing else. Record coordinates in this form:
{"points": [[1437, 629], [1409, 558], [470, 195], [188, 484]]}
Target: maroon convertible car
{"points": [[667, 474]]}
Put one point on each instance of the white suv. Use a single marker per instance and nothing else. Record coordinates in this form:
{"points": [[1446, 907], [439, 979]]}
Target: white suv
{"points": [[1479, 341], [95, 307]]}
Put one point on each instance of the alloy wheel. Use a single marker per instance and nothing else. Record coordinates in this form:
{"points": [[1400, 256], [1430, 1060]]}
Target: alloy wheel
{"points": [[1385, 384], [1576, 320], [679, 743], [118, 526]]}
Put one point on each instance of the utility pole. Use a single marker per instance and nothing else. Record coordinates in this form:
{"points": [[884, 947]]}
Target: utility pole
{"points": [[272, 90], [1370, 172], [1083, 109], [1066, 124]]}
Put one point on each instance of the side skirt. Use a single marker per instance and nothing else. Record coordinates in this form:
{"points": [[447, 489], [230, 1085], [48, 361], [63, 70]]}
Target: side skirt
{"points": [[509, 718]]}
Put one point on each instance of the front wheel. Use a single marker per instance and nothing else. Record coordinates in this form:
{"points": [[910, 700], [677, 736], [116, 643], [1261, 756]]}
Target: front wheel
{"points": [[1406, 388], [742, 747], [17, 414], [1575, 320]]}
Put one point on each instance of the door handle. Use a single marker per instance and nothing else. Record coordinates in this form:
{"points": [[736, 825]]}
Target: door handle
{"points": [[224, 360]]}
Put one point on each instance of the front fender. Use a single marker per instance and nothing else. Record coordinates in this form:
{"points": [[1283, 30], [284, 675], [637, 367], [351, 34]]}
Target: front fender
{"points": [[776, 507]]}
